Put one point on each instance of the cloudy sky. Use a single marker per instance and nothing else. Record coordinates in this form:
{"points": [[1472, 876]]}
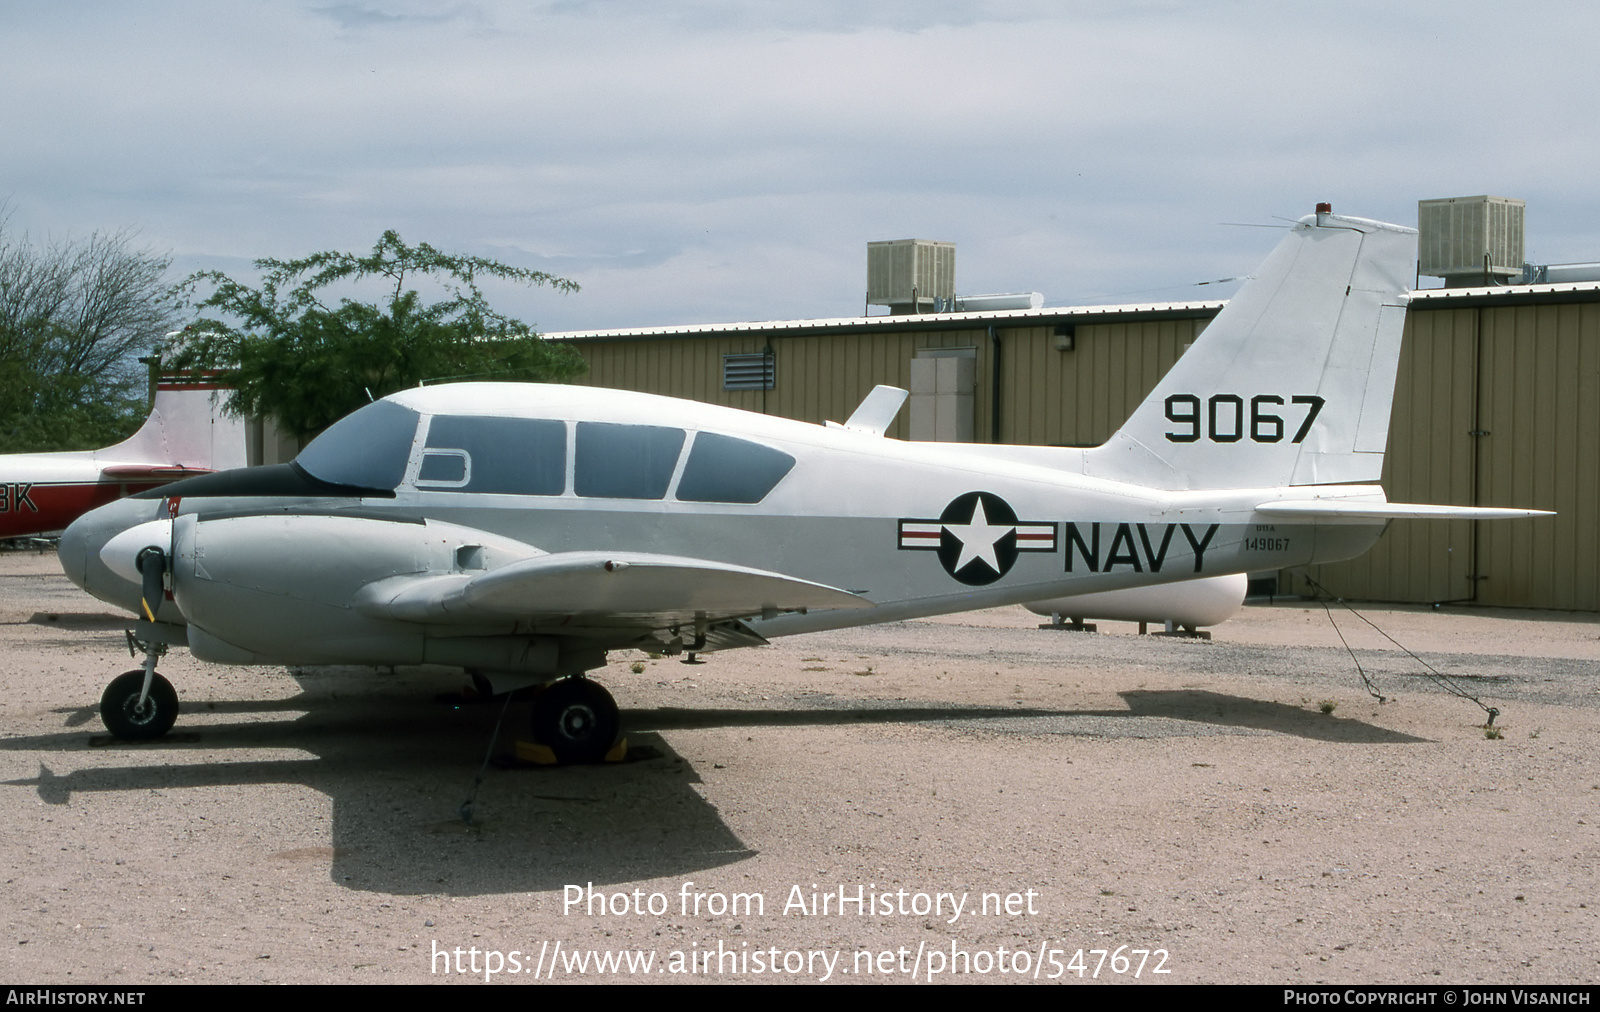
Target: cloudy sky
{"points": [[715, 161]]}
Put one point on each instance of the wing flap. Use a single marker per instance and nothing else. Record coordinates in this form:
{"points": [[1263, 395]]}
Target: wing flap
{"points": [[591, 589]]}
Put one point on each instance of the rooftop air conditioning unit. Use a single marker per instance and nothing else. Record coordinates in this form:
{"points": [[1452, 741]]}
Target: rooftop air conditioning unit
{"points": [[1470, 240], [911, 275]]}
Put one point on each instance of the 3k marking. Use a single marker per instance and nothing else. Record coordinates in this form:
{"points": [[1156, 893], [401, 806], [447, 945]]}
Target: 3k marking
{"points": [[14, 496]]}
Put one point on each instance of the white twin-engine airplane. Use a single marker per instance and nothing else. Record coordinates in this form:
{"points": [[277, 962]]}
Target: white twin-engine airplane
{"points": [[186, 434], [521, 531]]}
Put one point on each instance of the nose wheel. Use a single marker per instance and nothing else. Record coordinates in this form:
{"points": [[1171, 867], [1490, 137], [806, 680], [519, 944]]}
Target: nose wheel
{"points": [[577, 719], [131, 713], [140, 705]]}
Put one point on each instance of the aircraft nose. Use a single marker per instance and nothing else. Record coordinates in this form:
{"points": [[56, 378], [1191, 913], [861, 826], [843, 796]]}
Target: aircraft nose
{"points": [[79, 550], [73, 551]]}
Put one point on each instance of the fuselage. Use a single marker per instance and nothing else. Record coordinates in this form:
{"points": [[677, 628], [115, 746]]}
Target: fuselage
{"points": [[914, 528]]}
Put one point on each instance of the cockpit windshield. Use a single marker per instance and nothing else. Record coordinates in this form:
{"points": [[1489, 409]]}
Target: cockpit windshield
{"points": [[367, 448]]}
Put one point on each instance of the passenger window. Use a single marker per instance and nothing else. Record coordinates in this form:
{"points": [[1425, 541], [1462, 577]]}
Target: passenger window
{"points": [[625, 461], [505, 456], [725, 469], [442, 468]]}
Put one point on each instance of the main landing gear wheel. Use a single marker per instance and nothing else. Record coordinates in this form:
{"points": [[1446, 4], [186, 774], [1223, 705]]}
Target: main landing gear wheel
{"points": [[577, 719], [125, 718]]}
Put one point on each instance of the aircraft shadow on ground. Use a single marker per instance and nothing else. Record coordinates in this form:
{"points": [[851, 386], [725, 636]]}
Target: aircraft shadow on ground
{"points": [[397, 771], [1243, 712], [1197, 706], [398, 768]]}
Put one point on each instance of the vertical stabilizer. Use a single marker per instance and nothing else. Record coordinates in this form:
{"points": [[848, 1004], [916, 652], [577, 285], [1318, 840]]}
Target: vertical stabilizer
{"points": [[187, 427], [1292, 383]]}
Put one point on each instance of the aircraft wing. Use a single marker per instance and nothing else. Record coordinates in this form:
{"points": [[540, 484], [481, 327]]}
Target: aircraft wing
{"points": [[1335, 509], [600, 589]]}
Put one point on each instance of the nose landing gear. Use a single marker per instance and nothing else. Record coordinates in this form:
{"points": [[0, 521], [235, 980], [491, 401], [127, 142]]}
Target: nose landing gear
{"points": [[132, 712], [140, 705]]}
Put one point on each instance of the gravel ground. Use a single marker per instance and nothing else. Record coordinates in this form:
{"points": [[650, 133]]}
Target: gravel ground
{"points": [[1093, 791]]}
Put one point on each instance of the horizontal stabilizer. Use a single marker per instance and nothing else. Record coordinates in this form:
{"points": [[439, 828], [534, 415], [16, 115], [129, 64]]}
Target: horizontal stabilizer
{"points": [[1334, 509], [154, 472], [603, 588]]}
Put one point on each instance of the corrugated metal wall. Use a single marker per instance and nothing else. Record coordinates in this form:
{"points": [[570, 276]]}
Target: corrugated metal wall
{"points": [[1541, 405], [818, 377], [1079, 398], [1075, 398], [1430, 460], [1493, 406]]}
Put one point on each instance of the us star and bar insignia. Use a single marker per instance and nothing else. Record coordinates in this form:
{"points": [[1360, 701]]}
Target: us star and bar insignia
{"points": [[978, 537]]}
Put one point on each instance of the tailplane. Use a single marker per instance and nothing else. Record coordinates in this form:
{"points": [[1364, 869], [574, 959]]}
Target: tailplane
{"points": [[1292, 382]]}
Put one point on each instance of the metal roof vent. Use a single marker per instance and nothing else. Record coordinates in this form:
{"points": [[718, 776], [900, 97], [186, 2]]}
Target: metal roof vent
{"points": [[749, 372]]}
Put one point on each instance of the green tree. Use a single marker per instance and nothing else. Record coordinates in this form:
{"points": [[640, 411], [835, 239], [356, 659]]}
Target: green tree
{"points": [[74, 317], [305, 363]]}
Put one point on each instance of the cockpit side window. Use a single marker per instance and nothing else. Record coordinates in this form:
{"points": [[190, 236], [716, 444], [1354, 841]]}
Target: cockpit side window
{"points": [[725, 469], [625, 461], [368, 447], [484, 453]]}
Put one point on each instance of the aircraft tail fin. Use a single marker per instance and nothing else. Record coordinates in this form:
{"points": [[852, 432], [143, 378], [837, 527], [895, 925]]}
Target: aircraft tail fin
{"points": [[1292, 383], [876, 412], [187, 427]]}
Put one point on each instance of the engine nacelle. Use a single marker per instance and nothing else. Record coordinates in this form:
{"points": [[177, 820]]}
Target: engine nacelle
{"points": [[280, 586]]}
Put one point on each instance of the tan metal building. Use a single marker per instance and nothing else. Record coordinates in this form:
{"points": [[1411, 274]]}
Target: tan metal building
{"points": [[1497, 403]]}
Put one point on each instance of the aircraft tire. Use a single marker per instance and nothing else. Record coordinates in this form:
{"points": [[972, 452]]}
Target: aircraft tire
{"points": [[577, 719], [125, 719]]}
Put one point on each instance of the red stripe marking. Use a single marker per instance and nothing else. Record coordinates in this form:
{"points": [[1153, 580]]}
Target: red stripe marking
{"points": [[57, 505]]}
